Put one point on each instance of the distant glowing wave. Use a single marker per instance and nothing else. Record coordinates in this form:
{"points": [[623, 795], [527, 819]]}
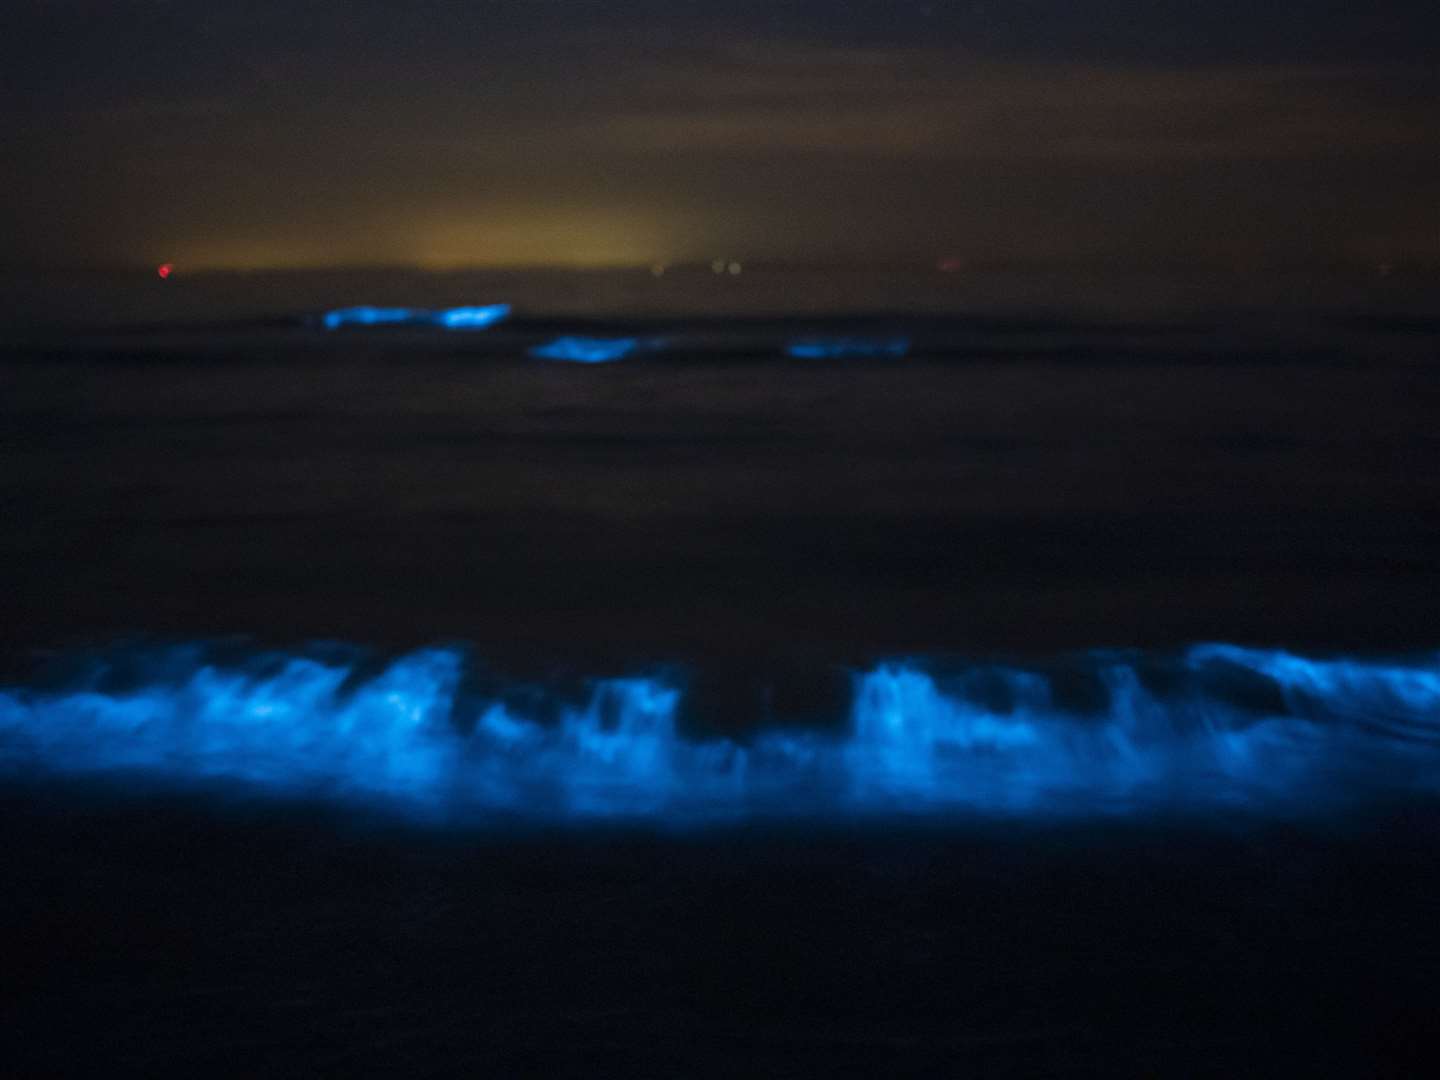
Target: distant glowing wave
{"points": [[1214, 729], [472, 318], [847, 348], [585, 350], [371, 316], [579, 349], [459, 318]]}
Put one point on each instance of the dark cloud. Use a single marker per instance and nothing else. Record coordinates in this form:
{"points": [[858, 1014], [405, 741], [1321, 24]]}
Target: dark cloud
{"points": [[932, 102], [437, 131]]}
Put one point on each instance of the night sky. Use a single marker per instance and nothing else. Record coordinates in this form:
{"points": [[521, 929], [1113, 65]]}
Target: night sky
{"points": [[271, 133]]}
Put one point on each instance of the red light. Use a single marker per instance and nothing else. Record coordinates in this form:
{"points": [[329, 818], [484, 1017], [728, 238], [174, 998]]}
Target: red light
{"points": [[165, 269]]}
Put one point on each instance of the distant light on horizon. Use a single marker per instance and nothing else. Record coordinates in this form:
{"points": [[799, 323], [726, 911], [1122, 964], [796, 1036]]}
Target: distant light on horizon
{"points": [[164, 270]]}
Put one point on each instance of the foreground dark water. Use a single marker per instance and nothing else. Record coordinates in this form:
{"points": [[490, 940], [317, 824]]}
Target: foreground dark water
{"points": [[152, 936], [1014, 822]]}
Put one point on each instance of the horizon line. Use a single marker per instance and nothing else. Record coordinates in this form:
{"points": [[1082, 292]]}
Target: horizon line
{"points": [[951, 265]]}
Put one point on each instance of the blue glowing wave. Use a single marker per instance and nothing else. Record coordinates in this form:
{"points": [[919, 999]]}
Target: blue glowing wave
{"points": [[1216, 727], [847, 348], [472, 318], [587, 350], [372, 316], [458, 318]]}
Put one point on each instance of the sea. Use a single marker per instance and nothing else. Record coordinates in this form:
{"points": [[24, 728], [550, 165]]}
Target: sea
{"points": [[691, 670]]}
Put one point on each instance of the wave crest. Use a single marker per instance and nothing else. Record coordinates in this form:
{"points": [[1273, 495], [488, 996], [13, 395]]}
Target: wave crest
{"points": [[1214, 727]]}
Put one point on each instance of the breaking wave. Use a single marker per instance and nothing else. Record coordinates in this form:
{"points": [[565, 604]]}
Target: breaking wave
{"points": [[1213, 728]]}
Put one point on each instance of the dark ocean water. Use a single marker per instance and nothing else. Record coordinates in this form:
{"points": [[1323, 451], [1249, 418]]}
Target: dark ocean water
{"points": [[1027, 689]]}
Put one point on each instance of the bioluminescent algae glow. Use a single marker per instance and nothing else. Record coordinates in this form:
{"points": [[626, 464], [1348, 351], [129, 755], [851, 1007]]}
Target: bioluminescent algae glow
{"points": [[457, 318], [372, 316], [472, 318], [584, 350], [1212, 729], [847, 348]]}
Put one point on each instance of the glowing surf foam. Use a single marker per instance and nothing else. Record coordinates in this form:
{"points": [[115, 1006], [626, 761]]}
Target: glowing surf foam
{"points": [[1213, 728]]}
